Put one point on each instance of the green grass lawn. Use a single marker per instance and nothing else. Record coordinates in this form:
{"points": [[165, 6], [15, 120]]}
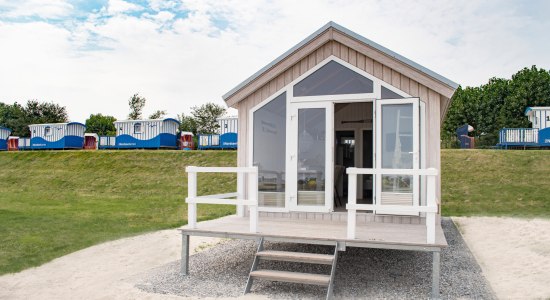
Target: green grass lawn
{"points": [[496, 183], [56, 202]]}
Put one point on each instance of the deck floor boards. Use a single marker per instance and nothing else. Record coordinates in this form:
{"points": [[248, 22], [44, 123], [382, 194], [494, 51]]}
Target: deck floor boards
{"points": [[320, 230]]}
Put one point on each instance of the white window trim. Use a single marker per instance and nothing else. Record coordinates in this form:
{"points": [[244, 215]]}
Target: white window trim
{"points": [[343, 98], [415, 101], [377, 85], [292, 156]]}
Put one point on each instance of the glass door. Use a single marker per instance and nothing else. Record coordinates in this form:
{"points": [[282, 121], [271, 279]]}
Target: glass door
{"points": [[397, 147], [310, 157]]}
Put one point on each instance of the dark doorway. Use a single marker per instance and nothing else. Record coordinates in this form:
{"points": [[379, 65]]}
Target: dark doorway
{"points": [[345, 158], [367, 163]]}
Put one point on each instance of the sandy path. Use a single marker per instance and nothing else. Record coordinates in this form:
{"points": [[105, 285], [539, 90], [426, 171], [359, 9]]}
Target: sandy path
{"points": [[514, 254], [106, 271]]}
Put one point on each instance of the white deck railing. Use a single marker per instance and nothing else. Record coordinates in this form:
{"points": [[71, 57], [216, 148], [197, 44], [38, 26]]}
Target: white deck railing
{"points": [[430, 208], [243, 175]]}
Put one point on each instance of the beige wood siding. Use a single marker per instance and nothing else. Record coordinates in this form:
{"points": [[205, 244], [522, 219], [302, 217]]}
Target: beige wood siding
{"points": [[434, 101]]}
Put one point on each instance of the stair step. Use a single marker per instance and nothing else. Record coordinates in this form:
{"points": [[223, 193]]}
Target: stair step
{"points": [[312, 258], [295, 277]]}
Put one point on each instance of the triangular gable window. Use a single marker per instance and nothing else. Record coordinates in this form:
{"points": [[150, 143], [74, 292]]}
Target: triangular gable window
{"points": [[389, 94], [333, 79]]}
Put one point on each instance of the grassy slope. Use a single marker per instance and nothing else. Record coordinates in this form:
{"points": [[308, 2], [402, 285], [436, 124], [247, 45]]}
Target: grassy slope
{"points": [[53, 203], [496, 183]]}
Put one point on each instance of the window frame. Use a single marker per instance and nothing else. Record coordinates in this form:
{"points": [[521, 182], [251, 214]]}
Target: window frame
{"points": [[250, 148], [140, 128], [47, 131]]}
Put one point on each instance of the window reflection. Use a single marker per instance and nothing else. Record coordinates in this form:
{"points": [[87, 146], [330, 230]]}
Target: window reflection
{"points": [[269, 148]]}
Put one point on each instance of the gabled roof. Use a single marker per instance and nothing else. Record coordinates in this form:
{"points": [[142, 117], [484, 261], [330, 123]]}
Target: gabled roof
{"points": [[421, 69]]}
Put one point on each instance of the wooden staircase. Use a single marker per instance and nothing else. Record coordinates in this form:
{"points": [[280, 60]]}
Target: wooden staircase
{"points": [[294, 277]]}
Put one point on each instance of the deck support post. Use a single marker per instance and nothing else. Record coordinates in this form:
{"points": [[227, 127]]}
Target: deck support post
{"points": [[184, 254], [431, 202], [240, 193], [435, 274], [352, 200], [192, 193], [253, 197]]}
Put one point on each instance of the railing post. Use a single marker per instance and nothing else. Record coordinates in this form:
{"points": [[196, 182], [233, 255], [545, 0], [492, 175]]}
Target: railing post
{"points": [[191, 194], [352, 200], [253, 197], [430, 216], [240, 192]]}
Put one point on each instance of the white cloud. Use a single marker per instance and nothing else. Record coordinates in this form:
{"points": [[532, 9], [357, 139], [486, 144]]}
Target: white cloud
{"points": [[177, 63], [50, 9], [121, 6]]}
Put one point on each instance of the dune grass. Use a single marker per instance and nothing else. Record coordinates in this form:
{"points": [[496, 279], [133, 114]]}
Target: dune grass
{"points": [[496, 183], [56, 202]]}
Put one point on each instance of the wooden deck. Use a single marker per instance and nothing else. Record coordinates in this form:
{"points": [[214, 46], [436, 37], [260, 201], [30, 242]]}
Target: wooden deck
{"points": [[368, 235]]}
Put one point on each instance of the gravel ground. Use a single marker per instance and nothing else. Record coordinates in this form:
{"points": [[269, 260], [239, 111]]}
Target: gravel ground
{"points": [[361, 273]]}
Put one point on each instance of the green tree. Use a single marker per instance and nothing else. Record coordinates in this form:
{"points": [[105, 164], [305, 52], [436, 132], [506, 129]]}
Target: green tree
{"points": [[13, 117], [159, 114], [498, 104], [528, 87], [100, 124], [18, 117], [206, 116], [136, 103], [45, 112], [187, 123]]}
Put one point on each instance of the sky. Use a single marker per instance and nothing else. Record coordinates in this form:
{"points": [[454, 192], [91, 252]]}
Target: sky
{"points": [[92, 56]]}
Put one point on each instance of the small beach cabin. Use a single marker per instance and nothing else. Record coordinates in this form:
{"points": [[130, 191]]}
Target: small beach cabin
{"points": [[228, 124], [339, 144], [538, 136], [4, 136], [146, 134], [226, 138], [539, 116], [57, 136]]}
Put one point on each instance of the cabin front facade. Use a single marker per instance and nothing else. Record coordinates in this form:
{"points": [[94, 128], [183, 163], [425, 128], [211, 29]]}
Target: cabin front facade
{"points": [[142, 134], [4, 136], [341, 139], [56, 136]]}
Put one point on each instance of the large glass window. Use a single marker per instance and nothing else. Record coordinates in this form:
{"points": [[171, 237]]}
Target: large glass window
{"points": [[269, 151], [397, 146], [311, 156], [333, 79]]}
